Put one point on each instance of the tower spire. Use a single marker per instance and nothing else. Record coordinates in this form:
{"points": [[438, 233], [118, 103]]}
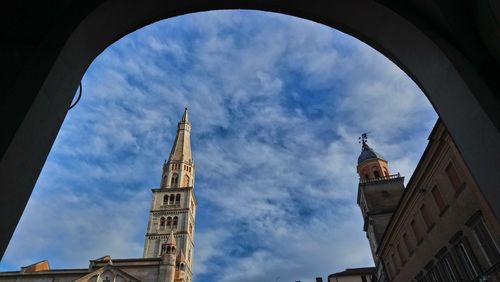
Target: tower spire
{"points": [[178, 171], [185, 116], [171, 239], [181, 150]]}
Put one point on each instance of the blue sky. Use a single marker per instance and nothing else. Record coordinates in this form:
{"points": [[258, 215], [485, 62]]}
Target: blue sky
{"points": [[276, 103]]}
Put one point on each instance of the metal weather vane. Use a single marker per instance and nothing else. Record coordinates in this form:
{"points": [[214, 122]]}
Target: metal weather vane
{"points": [[363, 139]]}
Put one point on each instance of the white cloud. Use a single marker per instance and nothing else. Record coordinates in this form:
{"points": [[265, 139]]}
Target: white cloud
{"points": [[276, 112]]}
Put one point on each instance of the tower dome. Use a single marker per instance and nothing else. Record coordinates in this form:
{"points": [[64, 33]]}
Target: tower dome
{"points": [[371, 165], [368, 153]]}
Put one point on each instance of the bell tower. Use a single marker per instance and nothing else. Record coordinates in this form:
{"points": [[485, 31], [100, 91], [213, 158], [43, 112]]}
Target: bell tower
{"points": [[173, 209], [371, 165], [379, 192]]}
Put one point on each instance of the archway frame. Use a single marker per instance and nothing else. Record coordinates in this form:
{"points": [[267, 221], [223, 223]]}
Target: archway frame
{"points": [[456, 91]]}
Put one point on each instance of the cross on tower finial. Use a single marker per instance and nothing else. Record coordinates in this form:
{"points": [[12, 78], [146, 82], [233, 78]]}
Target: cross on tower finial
{"points": [[363, 139]]}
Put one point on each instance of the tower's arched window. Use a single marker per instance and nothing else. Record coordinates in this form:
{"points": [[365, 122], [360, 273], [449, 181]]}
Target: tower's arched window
{"points": [[168, 249], [186, 181], [175, 179], [376, 173], [176, 220], [177, 199], [162, 222], [366, 173], [172, 198], [163, 249], [165, 199], [169, 221]]}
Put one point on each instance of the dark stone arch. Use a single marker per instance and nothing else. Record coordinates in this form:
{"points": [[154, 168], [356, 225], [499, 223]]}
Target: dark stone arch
{"points": [[456, 79]]}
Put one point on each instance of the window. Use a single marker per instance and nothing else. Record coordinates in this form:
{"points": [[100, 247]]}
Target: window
{"points": [[174, 180], [172, 199], [416, 231], [484, 238], [165, 199], [426, 216], [390, 271], [465, 258], [162, 222], [186, 181], [396, 263], [177, 199], [175, 221], [408, 245], [433, 275], [376, 174], [448, 269], [455, 180], [169, 221], [438, 199], [420, 277], [163, 249], [401, 255]]}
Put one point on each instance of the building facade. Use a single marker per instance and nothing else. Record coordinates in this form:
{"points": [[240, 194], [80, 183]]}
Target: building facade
{"points": [[169, 242], [441, 227], [364, 274]]}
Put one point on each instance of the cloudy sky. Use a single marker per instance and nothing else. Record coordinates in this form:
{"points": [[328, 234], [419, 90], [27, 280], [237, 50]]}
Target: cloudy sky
{"points": [[276, 103]]}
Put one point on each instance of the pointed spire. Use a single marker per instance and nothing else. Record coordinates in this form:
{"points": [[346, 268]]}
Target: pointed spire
{"points": [[181, 257], [171, 239], [184, 118], [181, 150]]}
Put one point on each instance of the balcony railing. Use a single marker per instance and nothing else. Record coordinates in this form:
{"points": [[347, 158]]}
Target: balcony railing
{"points": [[381, 178], [170, 206]]}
